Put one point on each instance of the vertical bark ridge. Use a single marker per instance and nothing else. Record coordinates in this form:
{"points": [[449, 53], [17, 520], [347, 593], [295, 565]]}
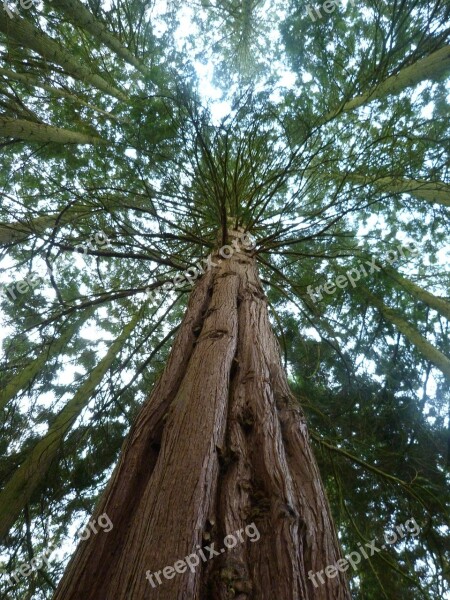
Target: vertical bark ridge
{"points": [[94, 559], [265, 425], [275, 558], [320, 544], [231, 573], [187, 468]]}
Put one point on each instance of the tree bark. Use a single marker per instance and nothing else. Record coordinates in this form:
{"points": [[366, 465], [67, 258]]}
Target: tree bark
{"points": [[440, 305], [31, 81], [25, 34], [220, 444], [435, 192], [20, 129], [432, 67], [33, 368], [435, 356], [80, 16], [36, 226]]}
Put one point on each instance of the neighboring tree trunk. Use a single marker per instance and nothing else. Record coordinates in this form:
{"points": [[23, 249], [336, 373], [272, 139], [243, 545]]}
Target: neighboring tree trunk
{"points": [[31, 81], [17, 231], [76, 13], [33, 470], [220, 444], [435, 192], [432, 67], [36, 226], [20, 129], [27, 374], [431, 353], [25, 34], [440, 305]]}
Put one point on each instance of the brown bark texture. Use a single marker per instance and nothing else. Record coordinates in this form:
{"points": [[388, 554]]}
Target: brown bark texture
{"points": [[220, 444]]}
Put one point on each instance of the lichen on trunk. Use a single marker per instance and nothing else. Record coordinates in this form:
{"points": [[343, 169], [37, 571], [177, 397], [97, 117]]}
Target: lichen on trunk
{"points": [[220, 444]]}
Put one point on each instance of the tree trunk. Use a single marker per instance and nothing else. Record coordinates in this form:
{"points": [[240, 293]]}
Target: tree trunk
{"points": [[19, 231], [432, 67], [33, 470], [37, 226], [435, 192], [440, 305], [31, 81], [76, 13], [221, 444], [25, 34], [27, 374], [435, 356], [20, 129]]}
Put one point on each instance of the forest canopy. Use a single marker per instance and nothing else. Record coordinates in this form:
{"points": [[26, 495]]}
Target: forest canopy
{"points": [[133, 135]]}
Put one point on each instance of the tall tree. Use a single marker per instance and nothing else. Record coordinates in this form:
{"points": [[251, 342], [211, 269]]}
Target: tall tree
{"points": [[275, 257]]}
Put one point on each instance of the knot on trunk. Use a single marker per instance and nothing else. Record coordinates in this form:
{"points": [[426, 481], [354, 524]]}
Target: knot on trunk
{"points": [[232, 581]]}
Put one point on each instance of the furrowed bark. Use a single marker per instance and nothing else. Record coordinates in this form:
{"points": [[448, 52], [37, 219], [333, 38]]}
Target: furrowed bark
{"points": [[319, 540], [431, 353], [24, 33], [91, 564], [267, 431], [31, 473], [221, 453], [20, 129], [27, 374], [188, 467]]}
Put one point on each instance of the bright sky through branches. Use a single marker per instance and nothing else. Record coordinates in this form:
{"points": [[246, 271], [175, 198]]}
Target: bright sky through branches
{"points": [[207, 62]]}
